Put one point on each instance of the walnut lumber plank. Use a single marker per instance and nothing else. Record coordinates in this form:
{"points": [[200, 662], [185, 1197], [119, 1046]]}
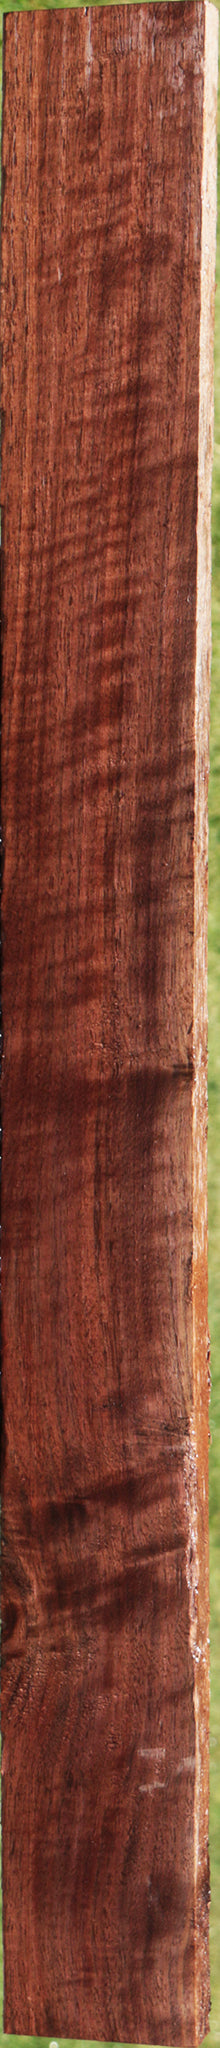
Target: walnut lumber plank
{"points": [[108, 253]]}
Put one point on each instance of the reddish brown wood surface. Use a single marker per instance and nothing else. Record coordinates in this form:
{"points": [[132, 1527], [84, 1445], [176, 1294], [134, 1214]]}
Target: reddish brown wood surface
{"points": [[105, 1507]]}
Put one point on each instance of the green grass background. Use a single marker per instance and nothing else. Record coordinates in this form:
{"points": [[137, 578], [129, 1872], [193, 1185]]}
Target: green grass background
{"points": [[213, 1174]]}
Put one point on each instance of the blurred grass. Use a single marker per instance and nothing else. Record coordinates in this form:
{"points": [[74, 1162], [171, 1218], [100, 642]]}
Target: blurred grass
{"points": [[213, 1173]]}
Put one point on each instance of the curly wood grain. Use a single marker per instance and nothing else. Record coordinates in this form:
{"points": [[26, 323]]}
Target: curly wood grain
{"points": [[104, 786]]}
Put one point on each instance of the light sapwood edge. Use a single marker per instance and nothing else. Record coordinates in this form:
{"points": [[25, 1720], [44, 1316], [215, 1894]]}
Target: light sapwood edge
{"points": [[199, 1592]]}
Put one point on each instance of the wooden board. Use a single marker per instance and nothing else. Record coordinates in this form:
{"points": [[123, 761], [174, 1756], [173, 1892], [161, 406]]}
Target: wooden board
{"points": [[108, 251]]}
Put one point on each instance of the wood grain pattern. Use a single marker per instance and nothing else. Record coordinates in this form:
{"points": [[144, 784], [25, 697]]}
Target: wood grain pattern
{"points": [[104, 798]]}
